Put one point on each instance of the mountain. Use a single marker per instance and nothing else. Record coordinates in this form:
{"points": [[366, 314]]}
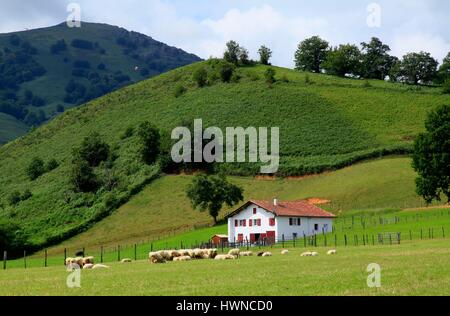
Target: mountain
{"points": [[45, 71], [325, 123]]}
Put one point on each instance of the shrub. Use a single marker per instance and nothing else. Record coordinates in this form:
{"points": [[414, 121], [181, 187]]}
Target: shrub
{"points": [[179, 90], [82, 176], [93, 150], [269, 75], [200, 76], [226, 71], [51, 165], [82, 44], [446, 86], [35, 169], [14, 198], [26, 195], [150, 140]]}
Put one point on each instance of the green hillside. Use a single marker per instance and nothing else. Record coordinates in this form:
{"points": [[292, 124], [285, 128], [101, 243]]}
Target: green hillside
{"points": [[325, 123], [98, 58]]}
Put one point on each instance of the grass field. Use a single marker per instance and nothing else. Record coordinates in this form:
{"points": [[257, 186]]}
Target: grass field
{"points": [[159, 209], [413, 268]]}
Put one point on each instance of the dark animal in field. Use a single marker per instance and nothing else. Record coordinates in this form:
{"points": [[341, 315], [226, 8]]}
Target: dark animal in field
{"points": [[260, 254], [79, 254]]}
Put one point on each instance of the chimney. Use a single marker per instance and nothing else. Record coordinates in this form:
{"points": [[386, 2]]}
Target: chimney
{"points": [[275, 202]]}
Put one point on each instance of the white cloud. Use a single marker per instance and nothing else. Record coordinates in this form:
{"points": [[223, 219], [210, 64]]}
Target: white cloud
{"points": [[434, 44]]}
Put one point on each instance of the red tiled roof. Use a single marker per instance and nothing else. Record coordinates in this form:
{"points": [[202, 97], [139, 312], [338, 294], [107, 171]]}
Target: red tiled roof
{"points": [[294, 208]]}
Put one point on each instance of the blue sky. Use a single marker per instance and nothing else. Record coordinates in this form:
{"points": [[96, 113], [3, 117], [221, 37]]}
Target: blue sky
{"points": [[203, 26]]}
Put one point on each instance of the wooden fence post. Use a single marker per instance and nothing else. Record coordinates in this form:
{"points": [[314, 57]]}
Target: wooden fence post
{"points": [[293, 238], [135, 252], [345, 240], [5, 258], [118, 253], [410, 235], [282, 240], [443, 232], [304, 239], [45, 258], [101, 254]]}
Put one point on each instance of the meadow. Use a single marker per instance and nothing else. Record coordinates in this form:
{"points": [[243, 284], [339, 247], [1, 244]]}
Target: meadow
{"points": [[343, 274]]}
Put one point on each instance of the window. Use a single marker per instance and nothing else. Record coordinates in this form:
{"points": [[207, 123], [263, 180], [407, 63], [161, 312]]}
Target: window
{"points": [[271, 221], [254, 210], [242, 223], [295, 235], [299, 222], [250, 223], [259, 222], [290, 221], [316, 227], [295, 221], [236, 223]]}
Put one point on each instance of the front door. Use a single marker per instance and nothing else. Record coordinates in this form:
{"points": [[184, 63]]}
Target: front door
{"points": [[270, 237]]}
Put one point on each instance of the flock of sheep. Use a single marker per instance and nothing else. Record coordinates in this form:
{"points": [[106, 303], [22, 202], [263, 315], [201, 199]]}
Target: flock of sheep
{"points": [[191, 254], [182, 255]]}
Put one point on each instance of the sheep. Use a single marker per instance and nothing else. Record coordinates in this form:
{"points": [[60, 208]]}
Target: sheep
{"points": [[234, 252], [156, 257], [199, 254], [88, 260], [88, 266], [314, 254], [306, 254], [79, 261], [212, 253], [99, 266], [68, 261], [332, 252], [126, 260], [246, 254], [267, 254], [285, 252], [182, 258], [224, 257], [184, 252]]}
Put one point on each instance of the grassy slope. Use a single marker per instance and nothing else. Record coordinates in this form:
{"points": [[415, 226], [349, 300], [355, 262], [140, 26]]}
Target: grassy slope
{"points": [[322, 124], [160, 209], [343, 274], [10, 127], [59, 73]]}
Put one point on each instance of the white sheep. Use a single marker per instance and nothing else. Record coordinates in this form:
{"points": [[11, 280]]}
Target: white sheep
{"points": [[285, 252], [88, 260], [306, 254], [267, 254], [126, 260], [332, 252], [246, 254], [156, 257], [88, 266], [182, 258], [224, 257], [100, 266], [314, 254], [234, 252]]}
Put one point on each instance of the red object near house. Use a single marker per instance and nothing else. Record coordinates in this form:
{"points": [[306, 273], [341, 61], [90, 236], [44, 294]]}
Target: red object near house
{"points": [[271, 221], [270, 236], [218, 240], [241, 237]]}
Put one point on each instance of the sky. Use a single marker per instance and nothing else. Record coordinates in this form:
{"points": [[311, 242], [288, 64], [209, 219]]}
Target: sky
{"points": [[203, 27]]}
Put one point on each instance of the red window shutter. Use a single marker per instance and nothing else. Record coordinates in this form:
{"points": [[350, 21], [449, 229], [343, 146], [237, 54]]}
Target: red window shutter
{"points": [[250, 222], [259, 222], [272, 222], [245, 222], [236, 223], [254, 210]]}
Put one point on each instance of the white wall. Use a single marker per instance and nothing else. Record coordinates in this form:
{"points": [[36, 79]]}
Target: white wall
{"points": [[306, 227], [247, 214]]}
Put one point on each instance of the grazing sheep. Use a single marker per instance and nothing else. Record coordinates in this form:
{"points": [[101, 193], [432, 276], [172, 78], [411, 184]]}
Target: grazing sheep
{"points": [[68, 261], [126, 260], [182, 258], [306, 254], [260, 254], [183, 252], [88, 260], [212, 253], [156, 257], [100, 266], [224, 257], [332, 252], [267, 254], [246, 254], [234, 252], [314, 254], [199, 254], [88, 266], [285, 252], [79, 261]]}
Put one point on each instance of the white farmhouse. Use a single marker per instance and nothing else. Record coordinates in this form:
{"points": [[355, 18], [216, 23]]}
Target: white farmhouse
{"points": [[262, 220]]}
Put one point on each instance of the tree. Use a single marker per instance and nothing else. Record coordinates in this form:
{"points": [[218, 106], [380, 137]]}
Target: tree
{"points": [[35, 169], [269, 75], [82, 176], [211, 192], [226, 70], [232, 52], [150, 142], [264, 55], [343, 60], [51, 165], [418, 68], [93, 150], [431, 158], [200, 76], [310, 54], [244, 58], [376, 61], [14, 198], [444, 70]]}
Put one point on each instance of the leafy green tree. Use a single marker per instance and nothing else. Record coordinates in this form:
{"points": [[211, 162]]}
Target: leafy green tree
{"points": [[269, 75], [376, 61], [212, 192], [444, 70], [26, 195], [264, 55], [11, 238], [35, 169], [82, 176], [150, 142], [232, 52], [431, 158], [226, 71], [179, 90], [244, 58], [343, 60], [310, 54], [200, 76], [93, 149], [418, 68], [51, 165]]}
